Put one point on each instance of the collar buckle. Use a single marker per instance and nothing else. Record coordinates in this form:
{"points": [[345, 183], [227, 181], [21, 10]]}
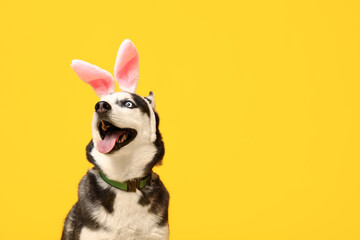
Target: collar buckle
{"points": [[132, 185]]}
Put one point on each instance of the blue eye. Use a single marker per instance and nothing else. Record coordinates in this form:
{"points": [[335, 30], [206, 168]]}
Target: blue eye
{"points": [[129, 104]]}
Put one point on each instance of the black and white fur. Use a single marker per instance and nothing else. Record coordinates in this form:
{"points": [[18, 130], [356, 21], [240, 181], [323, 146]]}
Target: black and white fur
{"points": [[103, 212]]}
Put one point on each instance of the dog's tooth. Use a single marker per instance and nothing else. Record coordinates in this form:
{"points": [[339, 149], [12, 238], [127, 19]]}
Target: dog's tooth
{"points": [[104, 126], [123, 138]]}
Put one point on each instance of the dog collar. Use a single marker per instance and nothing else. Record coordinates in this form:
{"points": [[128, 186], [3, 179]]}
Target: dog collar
{"points": [[129, 186]]}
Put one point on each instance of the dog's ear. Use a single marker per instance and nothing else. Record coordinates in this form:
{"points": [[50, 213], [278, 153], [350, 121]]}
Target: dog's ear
{"points": [[100, 80], [151, 99], [127, 66]]}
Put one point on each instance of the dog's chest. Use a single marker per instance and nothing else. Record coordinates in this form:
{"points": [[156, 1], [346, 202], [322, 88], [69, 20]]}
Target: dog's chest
{"points": [[129, 220]]}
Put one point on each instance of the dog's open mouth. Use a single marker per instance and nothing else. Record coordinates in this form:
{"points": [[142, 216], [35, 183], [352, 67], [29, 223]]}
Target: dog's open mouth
{"points": [[113, 138]]}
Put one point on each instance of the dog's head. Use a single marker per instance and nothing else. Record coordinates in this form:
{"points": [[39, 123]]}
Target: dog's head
{"points": [[126, 140], [122, 119]]}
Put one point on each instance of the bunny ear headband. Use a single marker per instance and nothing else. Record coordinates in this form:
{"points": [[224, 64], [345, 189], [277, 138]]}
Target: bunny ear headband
{"points": [[126, 71]]}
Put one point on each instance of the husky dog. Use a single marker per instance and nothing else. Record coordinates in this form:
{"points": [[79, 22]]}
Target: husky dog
{"points": [[120, 197]]}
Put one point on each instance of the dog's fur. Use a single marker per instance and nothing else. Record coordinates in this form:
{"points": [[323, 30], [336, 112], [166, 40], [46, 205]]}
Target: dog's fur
{"points": [[105, 212]]}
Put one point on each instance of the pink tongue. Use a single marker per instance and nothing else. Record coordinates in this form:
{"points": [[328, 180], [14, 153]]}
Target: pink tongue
{"points": [[106, 145]]}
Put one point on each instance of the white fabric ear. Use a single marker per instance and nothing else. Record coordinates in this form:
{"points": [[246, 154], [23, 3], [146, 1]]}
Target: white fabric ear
{"points": [[99, 79], [127, 66]]}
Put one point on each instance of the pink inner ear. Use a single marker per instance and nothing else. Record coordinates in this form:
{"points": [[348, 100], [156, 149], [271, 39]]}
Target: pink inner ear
{"points": [[127, 66], [100, 80], [128, 74], [101, 86]]}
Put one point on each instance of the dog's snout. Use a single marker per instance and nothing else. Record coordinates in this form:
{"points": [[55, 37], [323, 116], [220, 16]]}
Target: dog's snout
{"points": [[102, 107]]}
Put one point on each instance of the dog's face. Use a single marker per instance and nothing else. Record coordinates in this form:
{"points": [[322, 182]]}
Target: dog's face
{"points": [[123, 120], [126, 140]]}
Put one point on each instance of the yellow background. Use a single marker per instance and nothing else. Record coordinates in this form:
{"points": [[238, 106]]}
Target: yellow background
{"points": [[258, 100]]}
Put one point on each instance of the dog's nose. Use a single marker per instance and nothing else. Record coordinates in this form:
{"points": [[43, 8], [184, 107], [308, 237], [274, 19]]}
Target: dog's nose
{"points": [[102, 107]]}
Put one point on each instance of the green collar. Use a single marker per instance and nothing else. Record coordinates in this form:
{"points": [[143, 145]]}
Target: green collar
{"points": [[130, 185]]}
